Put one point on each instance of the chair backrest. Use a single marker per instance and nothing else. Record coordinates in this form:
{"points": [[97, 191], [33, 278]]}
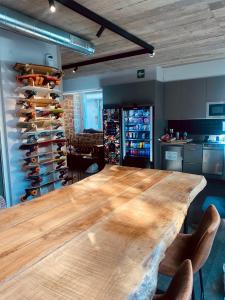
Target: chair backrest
{"points": [[203, 238], [181, 285]]}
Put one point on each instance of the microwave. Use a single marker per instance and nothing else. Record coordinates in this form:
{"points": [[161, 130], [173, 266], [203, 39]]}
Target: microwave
{"points": [[215, 110]]}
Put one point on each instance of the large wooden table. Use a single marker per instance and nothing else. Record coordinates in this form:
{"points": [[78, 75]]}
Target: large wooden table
{"points": [[91, 240]]}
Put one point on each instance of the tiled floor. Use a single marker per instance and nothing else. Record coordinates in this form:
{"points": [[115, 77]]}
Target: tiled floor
{"points": [[213, 269]]}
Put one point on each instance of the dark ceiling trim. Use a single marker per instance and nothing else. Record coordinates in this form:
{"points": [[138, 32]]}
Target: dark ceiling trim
{"points": [[82, 10], [105, 58]]}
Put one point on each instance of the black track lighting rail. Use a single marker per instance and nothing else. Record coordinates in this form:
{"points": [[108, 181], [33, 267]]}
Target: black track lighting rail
{"points": [[104, 23], [75, 66]]}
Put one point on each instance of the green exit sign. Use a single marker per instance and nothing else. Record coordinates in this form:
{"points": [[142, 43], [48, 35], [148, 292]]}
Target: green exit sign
{"points": [[141, 73]]}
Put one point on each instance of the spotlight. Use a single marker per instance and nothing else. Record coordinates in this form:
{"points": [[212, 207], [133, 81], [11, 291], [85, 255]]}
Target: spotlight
{"points": [[52, 5], [75, 69], [152, 54]]}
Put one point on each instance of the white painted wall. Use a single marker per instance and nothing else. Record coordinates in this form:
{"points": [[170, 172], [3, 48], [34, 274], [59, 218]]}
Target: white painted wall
{"points": [[96, 82], [84, 83], [16, 48], [193, 71], [189, 71]]}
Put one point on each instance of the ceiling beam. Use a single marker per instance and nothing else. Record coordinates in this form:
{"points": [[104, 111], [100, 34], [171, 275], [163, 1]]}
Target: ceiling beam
{"points": [[104, 59], [104, 23]]}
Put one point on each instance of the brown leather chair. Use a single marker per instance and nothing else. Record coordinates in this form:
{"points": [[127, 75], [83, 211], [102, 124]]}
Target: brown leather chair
{"points": [[196, 247], [181, 284]]}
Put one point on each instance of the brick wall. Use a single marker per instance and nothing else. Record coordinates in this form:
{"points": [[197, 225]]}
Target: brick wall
{"points": [[67, 105], [78, 115], [74, 123]]}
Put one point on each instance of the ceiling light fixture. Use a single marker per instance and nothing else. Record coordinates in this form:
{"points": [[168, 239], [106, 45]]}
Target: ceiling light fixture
{"points": [[152, 54], [52, 5]]}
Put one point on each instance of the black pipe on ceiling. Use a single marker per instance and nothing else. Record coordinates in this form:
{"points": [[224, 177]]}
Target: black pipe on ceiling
{"points": [[75, 66], [104, 23]]}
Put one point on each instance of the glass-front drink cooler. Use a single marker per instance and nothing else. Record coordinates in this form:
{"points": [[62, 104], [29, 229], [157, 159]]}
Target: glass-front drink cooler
{"points": [[138, 133], [112, 135]]}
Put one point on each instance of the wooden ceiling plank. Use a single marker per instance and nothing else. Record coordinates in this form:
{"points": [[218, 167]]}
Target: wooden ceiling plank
{"points": [[167, 24]]}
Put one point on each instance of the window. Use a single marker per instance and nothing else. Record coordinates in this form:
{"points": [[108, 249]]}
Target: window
{"points": [[88, 111], [92, 110]]}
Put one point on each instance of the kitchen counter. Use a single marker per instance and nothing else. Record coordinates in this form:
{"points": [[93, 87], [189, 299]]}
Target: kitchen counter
{"points": [[94, 239], [196, 157], [193, 142], [176, 142]]}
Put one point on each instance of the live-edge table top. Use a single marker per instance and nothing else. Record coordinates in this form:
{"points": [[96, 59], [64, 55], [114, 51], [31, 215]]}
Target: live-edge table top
{"points": [[91, 240]]}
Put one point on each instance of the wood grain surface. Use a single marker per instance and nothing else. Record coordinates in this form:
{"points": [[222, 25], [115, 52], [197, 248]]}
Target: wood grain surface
{"points": [[182, 31], [90, 240]]}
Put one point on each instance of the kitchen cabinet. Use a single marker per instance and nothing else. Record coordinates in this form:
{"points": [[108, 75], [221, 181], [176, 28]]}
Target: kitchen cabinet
{"points": [[185, 99], [183, 158], [192, 159], [193, 105], [172, 94], [215, 89], [192, 153], [192, 168], [213, 160], [172, 157]]}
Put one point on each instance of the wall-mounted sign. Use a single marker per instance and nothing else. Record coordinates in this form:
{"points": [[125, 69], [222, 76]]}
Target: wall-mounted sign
{"points": [[171, 155], [141, 73]]}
